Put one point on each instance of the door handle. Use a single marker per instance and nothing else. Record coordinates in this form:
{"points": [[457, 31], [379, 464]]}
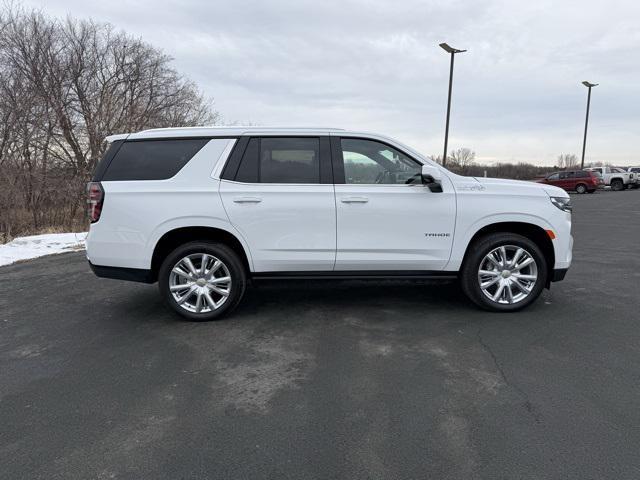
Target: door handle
{"points": [[354, 200], [247, 200]]}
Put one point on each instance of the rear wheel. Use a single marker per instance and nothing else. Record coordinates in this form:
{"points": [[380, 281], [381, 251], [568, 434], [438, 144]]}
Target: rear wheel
{"points": [[581, 188], [504, 272], [202, 281], [617, 185]]}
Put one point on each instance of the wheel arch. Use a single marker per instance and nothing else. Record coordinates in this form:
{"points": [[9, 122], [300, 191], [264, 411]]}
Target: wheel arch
{"points": [[181, 235], [533, 232]]}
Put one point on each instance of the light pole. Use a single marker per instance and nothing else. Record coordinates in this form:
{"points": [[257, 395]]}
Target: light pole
{"points": [[586, 120], [452, 51]]}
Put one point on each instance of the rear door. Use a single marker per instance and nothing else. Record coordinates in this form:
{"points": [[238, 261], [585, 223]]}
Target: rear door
{"points": [[280, 197], [387, 220]]}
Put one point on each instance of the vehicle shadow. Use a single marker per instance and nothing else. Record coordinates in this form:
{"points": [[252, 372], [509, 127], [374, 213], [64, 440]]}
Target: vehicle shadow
{"points": [[343, 294], [279, 301]]}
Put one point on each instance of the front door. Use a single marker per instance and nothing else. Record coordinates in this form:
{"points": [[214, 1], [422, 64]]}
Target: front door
{"points": [[281, 199], [566, 181], [386, 219]]}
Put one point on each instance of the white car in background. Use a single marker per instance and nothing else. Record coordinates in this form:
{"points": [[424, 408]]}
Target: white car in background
{"points": [[615, 177], [636, 172], [204, 210]]}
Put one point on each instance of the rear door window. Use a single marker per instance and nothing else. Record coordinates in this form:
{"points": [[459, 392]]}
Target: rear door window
{"points": [[152, 159], [289, 160]]}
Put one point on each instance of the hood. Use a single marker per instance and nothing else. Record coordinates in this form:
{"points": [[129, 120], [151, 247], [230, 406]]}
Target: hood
{"points": [[502, 181], [521, 185]]}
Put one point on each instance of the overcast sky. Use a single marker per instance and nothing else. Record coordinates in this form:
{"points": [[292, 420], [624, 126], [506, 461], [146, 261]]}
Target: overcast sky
{"points": [[376, 66]]}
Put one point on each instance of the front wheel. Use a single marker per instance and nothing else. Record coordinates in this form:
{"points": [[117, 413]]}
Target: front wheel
{"points": [[202, 281], [504, 272], [617, 185]]}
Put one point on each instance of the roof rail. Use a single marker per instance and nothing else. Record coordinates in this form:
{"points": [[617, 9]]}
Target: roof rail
{"points": [[239, 127]]}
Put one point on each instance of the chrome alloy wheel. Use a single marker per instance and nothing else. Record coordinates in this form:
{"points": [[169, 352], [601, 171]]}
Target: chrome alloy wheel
{"points": [[507, 274], [200, 283]]}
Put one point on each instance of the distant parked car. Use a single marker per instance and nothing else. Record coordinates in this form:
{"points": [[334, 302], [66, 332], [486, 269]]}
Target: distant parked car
{"points": [[633, 177], [636, 172], [580, 181], [615, 177]]}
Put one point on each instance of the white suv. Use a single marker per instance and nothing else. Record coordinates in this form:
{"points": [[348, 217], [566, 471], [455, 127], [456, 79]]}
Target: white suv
{"points": [[203, 210]]}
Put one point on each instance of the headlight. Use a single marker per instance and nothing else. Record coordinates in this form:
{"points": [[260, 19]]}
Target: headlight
{"points": [[562, 203]]}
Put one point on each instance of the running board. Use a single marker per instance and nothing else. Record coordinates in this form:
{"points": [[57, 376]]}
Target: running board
{"points": [[359, 275]]}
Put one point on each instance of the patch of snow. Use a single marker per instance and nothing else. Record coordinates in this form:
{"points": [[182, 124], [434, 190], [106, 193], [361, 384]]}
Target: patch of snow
{"points": [[25, 248]]}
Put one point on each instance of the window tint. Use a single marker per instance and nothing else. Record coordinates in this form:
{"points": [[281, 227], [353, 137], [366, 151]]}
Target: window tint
{"points": [[152, 159], [582, 174], [554, 176], [280, 160], [106, 160], [371, 162], [289, 160], [563, 175], [248, 170]]}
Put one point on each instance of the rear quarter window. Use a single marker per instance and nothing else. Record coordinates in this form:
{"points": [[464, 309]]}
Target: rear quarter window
{"points": [[151, 159]]}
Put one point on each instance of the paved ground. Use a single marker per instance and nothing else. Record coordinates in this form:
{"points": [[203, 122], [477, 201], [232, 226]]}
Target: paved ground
{"points": [[347, 380]]}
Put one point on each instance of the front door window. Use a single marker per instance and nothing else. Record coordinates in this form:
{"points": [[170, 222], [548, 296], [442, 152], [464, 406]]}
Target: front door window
{"points": [[369, 162]]}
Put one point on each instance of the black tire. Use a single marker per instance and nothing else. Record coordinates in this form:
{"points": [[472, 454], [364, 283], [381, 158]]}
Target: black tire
{"points": [[581, 188], [617, 185], [230, 260], [476, 254]]}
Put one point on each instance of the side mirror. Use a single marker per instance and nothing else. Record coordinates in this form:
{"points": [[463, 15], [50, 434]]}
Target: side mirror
{"points": [[432, 178]]}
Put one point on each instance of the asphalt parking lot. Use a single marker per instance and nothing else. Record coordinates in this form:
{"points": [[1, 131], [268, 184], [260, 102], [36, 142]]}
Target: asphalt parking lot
{"points": [[346, 380]]}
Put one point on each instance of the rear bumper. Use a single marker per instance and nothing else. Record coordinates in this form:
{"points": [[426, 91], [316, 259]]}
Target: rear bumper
{"points": [[558, 274], [122, 273]]}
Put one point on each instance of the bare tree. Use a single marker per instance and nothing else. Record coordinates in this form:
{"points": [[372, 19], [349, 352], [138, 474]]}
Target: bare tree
{"points": [[462, 159], [65, 86], [567, 161]]}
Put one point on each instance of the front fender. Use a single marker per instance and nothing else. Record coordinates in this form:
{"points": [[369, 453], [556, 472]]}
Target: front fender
{"points": [[464, 233]]}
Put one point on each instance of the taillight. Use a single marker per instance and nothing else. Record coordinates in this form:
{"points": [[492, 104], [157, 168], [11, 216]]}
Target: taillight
{"points": [[95, 200]]}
